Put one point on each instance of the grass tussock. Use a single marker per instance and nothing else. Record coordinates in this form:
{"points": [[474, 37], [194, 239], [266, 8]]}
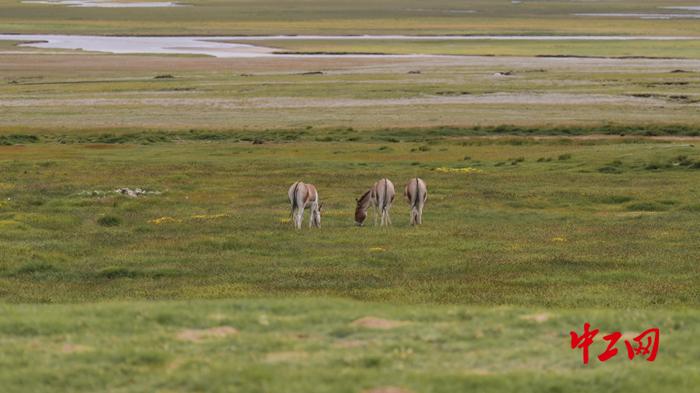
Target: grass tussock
{"points": [[109, 221]]}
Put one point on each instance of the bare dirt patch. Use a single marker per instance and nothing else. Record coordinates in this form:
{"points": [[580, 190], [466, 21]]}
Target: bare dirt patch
{"points": [[629, 336], [197, 335], [378, 323], [101, 64], [74, 348], [304, 103], [539, 317], [98, 64]]}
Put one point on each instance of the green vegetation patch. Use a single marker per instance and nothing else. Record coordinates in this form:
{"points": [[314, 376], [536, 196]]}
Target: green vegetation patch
{"points": [[502, 228], [312, 345]]}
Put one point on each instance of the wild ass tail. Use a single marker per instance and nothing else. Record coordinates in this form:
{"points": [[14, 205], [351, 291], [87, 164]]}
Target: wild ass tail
{"points": [[295, 202], [385, 195], [417, 195], [417, 204], [384, 203]]}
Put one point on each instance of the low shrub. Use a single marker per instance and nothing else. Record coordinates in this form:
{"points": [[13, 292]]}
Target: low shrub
{"points": [[113, 272], [647, 207], [109, 221]]}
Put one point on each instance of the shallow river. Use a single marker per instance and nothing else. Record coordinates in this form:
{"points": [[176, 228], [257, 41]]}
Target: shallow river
{"points": [[216, 46]]}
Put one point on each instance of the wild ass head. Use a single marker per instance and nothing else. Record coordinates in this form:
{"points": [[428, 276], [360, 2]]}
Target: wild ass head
{"points": [[361, 208]]}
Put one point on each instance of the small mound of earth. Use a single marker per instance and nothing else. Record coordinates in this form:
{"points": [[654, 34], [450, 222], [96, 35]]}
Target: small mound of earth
{"points": [[378, 323], [387, 389], [539, 318], [629, 336], [196, 335], [74, 348]]}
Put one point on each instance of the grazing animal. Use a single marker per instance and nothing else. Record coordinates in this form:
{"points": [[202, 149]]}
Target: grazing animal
{"points": [[416, 193], [380, 196], [302, 195]]}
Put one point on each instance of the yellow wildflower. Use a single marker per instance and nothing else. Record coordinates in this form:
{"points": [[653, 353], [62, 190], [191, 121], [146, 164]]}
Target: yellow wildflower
{"points": [[466, 170], [163, 220], [208, 217]]}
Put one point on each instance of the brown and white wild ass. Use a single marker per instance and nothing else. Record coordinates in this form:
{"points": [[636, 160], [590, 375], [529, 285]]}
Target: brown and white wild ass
{"points": [[416, 193], [381, 195], [302, 195]]}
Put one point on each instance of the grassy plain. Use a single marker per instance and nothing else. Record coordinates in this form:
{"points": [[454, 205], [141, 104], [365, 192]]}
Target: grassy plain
{"points": [[317, 345], [73, 93], [561, 191], [557, 222], [598, 229], [223, 17], [633, 48]]}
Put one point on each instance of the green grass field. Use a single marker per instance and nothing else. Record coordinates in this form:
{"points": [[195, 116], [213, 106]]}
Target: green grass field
{"points": [[76, 93], [221, 17], [304, 345], [536, 238], [638, 48], [551, 223], [561, 191]]}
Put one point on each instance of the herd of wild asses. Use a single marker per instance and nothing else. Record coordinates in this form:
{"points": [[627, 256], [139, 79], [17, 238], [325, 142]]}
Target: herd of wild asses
{"points": [[380, 196]]}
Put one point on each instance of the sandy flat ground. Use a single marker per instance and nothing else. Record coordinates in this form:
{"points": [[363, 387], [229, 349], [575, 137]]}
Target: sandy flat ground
{"points": [[296, 102], [542, 91], [37, 63]]}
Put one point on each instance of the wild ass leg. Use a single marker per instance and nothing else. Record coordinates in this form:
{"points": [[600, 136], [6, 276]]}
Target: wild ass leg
{"points": [[312, 218], [381, 205], [295, 217], [375, 207], [299, 217], [386, 219], [421, 204], [382, 211], [297, 196], [417, 213]]}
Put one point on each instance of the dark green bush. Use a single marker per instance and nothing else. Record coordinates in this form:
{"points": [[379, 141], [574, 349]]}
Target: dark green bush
{"points": [[109, 221], [113, 272]]}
